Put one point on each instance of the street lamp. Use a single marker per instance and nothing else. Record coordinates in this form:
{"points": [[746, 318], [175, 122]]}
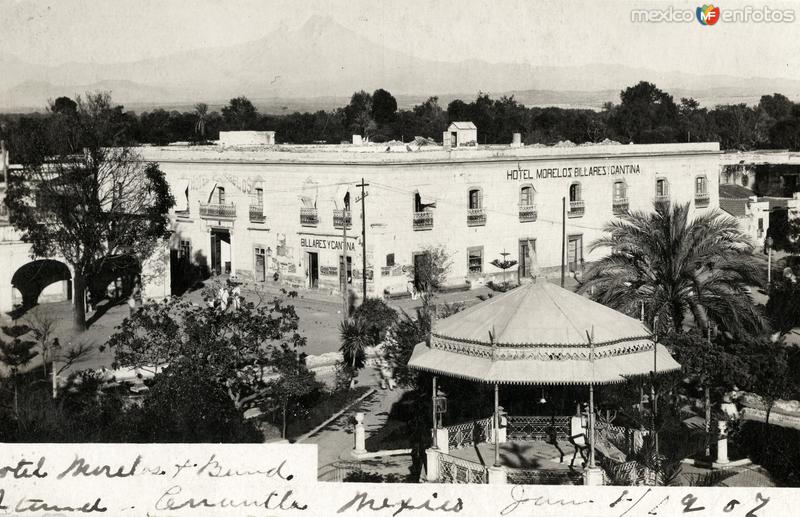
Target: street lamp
{"points": [[769, 260]]}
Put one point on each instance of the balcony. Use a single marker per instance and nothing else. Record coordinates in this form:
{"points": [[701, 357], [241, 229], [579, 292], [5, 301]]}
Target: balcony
{"points": [[701, 199], [576, 209], [476, 217], [620, 205], [257, 214], [309, 217], [662, 198], [217, 211], [342, 217], [527, 213], [423, 220]]}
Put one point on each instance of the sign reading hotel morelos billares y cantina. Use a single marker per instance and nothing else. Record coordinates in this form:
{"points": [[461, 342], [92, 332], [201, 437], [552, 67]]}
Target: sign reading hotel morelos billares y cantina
{"points": [[572, 172]]}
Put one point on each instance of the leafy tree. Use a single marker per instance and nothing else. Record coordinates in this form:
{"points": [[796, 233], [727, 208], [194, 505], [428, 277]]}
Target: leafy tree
{"points": [[407, 333], [431, 272], [783, 305], [676, 265], [240, 114], [43, 325], [186, 404], [292, 380], [64, 105], [693, 121], [358, 114], [770, 375], [234, 346], [377, 318], [384, 106], [711, 364], [776, 106], [645, 114], [93, 209]]}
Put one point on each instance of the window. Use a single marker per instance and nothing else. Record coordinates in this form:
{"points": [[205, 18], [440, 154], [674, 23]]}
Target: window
{"points": [[347, 201], [475, 259], [260, 196], [418, 207], [575, 192], [390, 260], [760, 224], [619, 190], [220, 195], [700, 185], [475, 200], [185, 249], [662, 189], [526, 195]]}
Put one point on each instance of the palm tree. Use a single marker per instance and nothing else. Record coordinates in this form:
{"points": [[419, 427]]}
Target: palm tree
{"points": [[355, 340], [201, 112], [677, 266]]}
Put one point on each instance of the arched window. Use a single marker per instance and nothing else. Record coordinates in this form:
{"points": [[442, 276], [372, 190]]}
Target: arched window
{"points": [[526, 195], [575, 192], [475, 198]]}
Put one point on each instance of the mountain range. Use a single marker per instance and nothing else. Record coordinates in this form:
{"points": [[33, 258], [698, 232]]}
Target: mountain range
{"points": [[318, 66]]}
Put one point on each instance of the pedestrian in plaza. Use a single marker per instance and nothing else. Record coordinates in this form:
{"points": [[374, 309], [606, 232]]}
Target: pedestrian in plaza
{"points": [[224, 295], [236, 295]]}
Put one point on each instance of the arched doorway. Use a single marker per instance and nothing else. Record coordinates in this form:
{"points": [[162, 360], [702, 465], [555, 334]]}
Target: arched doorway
{"points": [[42, 280]]}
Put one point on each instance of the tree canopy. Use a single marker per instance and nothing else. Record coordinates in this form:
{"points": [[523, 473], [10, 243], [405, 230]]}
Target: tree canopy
{"points": [[677, 266]]}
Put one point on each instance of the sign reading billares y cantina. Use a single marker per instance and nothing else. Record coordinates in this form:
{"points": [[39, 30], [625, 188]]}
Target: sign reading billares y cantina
{"points": [[325, 244], [572, 172]]}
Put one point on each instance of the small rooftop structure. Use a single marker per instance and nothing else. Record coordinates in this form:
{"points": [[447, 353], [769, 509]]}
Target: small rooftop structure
{"points": [[460, 134]]}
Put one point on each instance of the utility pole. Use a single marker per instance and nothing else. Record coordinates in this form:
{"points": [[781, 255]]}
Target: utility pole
{"points": [[653, 403], [363, 238], [563, 235]]}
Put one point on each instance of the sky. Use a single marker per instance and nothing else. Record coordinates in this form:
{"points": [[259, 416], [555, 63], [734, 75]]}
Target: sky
{"points": [[537, 32]]}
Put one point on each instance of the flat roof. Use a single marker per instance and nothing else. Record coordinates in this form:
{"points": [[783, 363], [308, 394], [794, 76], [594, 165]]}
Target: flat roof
{"points": [[400, 153]]}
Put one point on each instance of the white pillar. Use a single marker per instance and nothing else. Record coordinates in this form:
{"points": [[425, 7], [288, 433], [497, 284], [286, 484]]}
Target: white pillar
{"points": [[593, 476], [232, 254], [497, 476], [360, 435], [443, 440], [501, 432], [432, 465], [722, 443]]}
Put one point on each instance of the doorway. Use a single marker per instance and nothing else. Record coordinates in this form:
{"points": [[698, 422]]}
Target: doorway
{"points": [[312, 260], [220, 251], [421, 261], [575, 253], [524, 268], [345, 272], [260, 264]]}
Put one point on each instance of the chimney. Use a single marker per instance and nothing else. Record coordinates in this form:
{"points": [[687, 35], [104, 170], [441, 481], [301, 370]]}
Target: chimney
{"points": [[516, 140]]}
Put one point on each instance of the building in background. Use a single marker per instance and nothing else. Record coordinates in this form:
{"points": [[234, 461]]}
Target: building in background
{"points": [[262, 213]]}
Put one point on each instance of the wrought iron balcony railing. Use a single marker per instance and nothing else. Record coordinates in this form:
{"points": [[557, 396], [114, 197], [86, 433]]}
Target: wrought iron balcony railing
{"points": [[423, 220], [620, 205], [257, 214], [217, 211], [527, 213], [309, 216], [662, 198], [576, 209], [476, 217], [701, 199], [342, 217]]}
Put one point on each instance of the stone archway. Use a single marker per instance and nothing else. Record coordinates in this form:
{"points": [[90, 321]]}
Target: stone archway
{"points": [[35, 280]]}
